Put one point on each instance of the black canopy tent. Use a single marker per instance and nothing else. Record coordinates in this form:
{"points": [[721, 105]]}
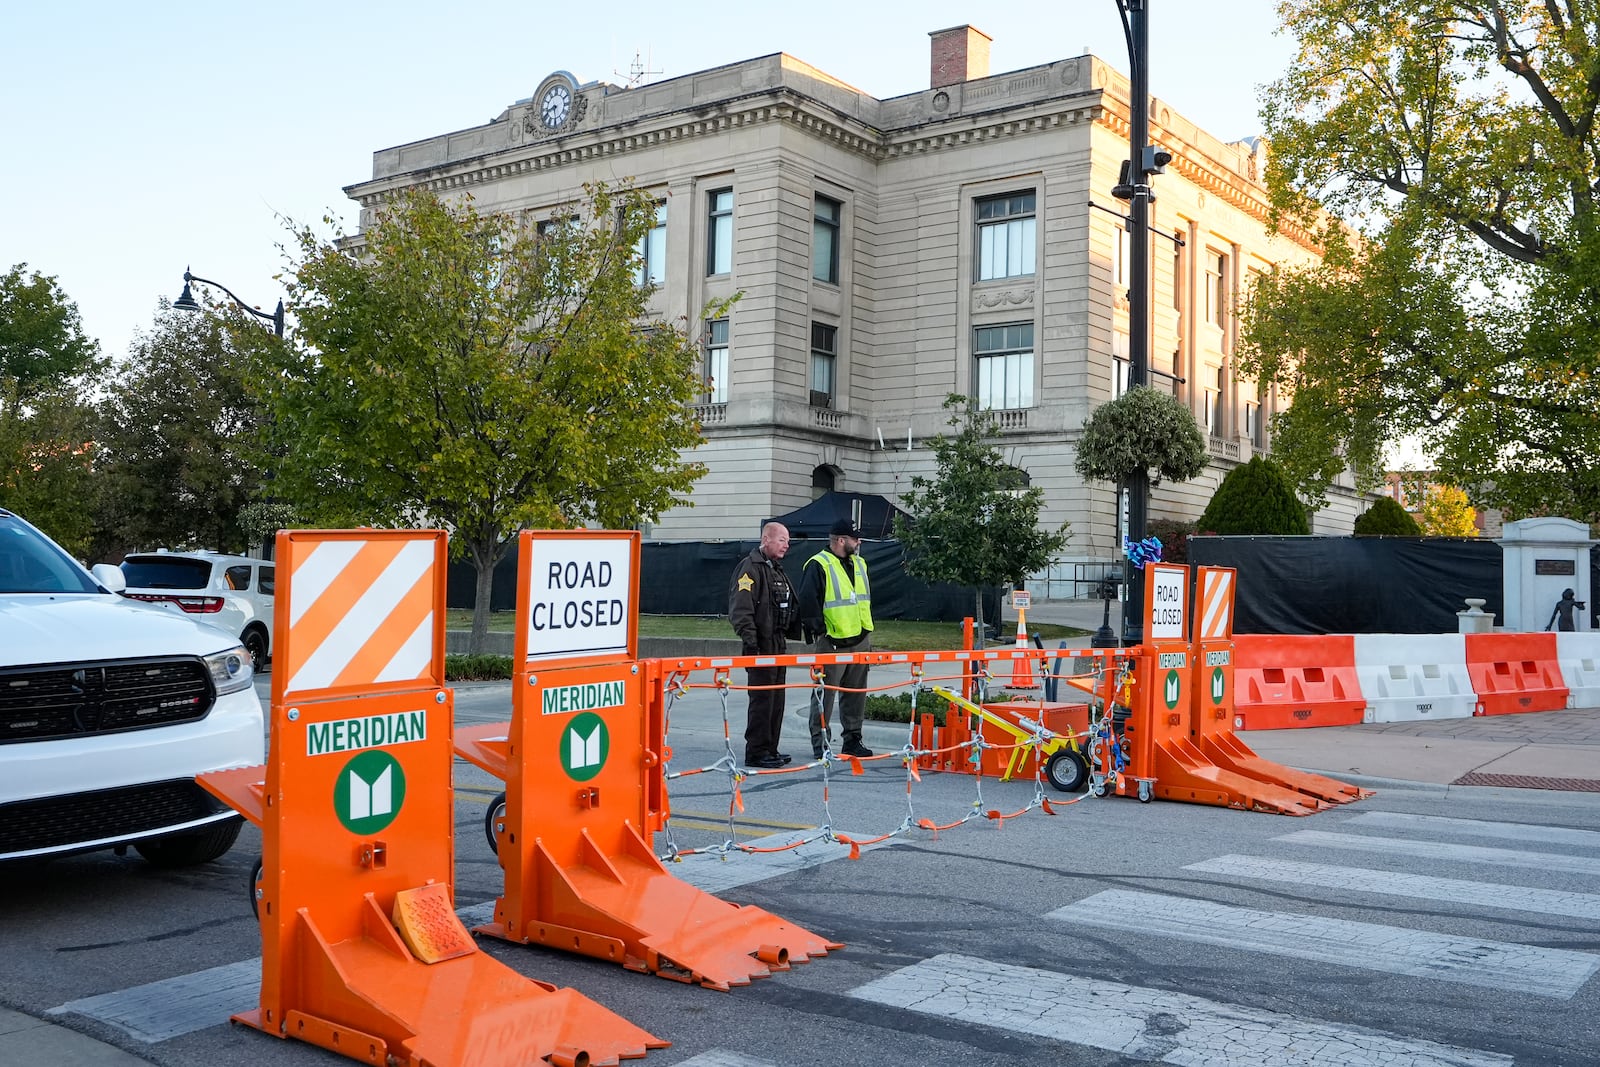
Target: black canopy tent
{"points": [[874, 515]]}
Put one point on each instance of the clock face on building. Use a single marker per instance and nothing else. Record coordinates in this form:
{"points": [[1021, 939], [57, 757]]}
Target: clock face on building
{"points": [[555, 106]]}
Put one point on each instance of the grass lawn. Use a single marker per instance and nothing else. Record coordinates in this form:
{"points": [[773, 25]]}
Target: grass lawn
{"points": [[890, 635]]}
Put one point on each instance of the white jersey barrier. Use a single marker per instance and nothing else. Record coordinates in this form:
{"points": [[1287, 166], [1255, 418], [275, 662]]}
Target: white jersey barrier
{"points": [[1415, 677], [1579, 656]]}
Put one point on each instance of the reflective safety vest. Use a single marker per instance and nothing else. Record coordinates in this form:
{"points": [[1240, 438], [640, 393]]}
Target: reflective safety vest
{"points": [[846, 611]]}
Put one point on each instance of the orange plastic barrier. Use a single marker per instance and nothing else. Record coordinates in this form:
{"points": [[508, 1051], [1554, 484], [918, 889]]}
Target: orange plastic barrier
{"points": [[356, 815], [581, 778], [1258, 784], [1286, 680], [1513, 673]]}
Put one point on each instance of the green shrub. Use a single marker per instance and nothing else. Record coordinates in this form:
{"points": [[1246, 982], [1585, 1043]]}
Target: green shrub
{"points": [[1387, 517], [476, 668], [1255, 498], [1174, 537]]}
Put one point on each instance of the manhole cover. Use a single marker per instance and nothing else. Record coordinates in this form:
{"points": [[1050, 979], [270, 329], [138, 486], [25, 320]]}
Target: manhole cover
{"points": [[1529, 781]]}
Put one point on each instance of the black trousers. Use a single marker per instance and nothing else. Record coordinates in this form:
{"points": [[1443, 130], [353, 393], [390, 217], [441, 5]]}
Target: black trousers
{"points": [[765, 719]]}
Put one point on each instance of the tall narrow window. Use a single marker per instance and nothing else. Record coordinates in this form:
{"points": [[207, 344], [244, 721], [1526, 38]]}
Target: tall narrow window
{"points": [[1120, 252], [652, 251], [824, 364], [1006, 227], [716, 361], [825, 240], [1216, 287], [719, 232], [1180, 275], [1121, 367], [1252, 422], [1004, 372], [1210, 402]]}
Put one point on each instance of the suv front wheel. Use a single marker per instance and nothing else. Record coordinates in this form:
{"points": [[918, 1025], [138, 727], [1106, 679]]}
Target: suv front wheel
{"points": [[195, 846], [255, 643]]}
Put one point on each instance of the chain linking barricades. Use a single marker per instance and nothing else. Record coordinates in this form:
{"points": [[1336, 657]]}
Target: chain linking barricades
{"points": [[580, 873], [361, 950]]}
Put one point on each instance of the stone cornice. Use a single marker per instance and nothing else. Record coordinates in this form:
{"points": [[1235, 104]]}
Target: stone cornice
{"points": [[785, 106], [1233, 189]]}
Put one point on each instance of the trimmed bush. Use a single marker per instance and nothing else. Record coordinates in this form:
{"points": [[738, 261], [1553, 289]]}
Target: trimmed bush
{"points": [[1255, 498], [1386, 517], [1174, 537], [476, 668]]}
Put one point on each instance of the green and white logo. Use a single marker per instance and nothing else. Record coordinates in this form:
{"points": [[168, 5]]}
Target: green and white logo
{"points": [[369, 792], [1219, 685], [585, 743], [1173, 688]]}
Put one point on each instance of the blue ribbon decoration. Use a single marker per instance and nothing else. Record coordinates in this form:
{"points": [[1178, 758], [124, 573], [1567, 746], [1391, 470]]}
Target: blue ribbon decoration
{"points": [[1141, 552]]}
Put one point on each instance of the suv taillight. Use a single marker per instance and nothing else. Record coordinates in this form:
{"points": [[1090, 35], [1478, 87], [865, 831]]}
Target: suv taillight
{"points": [[194, 605]]}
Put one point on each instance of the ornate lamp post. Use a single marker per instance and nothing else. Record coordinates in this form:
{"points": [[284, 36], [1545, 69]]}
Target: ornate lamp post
{"points": [[187, 302]]}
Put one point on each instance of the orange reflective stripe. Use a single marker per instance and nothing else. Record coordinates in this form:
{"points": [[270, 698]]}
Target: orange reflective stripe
{"points": [[409, 623], [1216, 599]]}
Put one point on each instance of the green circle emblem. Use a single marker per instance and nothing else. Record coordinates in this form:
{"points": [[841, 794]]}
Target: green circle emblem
{"points": [[585, 744], [1219, 685], [369, 792], [1172, 690]]}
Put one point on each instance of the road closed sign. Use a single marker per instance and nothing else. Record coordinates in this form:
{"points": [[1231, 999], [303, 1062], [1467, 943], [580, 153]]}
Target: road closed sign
{"points": [[1167, 601], [579, 595]]}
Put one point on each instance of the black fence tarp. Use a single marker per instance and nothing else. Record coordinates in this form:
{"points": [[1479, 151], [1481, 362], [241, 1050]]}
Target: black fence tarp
{"points": [[691, 578], [1353, 585]]}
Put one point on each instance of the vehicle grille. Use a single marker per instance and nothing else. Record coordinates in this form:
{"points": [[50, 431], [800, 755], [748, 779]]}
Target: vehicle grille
{"points": [[84, 699], [61, 822]]}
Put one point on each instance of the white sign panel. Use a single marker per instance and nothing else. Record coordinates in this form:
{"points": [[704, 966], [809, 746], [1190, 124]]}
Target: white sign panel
{"points": [[580, 596], [1167, 601]]}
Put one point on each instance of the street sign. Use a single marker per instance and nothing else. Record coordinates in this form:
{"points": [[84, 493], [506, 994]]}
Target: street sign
{"points": [[578, 601], [1166, 602], [1020, 598]]}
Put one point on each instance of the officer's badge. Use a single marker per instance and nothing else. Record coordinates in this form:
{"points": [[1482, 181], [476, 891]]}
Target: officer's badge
{"points": [[746, 583]]}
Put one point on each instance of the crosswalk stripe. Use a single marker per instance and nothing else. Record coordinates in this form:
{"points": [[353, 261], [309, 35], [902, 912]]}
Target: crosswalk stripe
{"points": [[1546, 972], [1409, 886], [1440, 850], [713, 874], [1145, 1024], [1511, 831], [721, 1057]]}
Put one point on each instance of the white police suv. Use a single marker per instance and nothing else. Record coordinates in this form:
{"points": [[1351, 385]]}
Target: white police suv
{"points": [[108, 710]]}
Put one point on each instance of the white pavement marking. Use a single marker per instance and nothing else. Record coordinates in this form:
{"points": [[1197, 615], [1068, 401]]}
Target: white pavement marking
{"points": [[1414, 887], [1439, 850], [714, 873], [1544, 972], [1510, 831], [1146, 1024], [175, 1006], [721, 1057]]}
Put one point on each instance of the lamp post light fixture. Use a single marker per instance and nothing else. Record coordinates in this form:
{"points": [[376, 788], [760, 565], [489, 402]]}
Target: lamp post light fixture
{"points": [[187, 302]]}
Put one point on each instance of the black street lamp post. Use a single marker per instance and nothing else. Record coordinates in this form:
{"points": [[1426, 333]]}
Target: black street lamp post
{"points": [[187, 302], [1144, 160]]}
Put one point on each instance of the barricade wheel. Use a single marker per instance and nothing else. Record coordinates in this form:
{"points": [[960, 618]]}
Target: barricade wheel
{"points": [[1146, 792], [254, 887], [1100, 786], [492, 818], [1067, 771]]}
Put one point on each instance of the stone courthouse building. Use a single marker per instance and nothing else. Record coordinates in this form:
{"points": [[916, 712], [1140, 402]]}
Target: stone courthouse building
{"points": [[961, 238]]}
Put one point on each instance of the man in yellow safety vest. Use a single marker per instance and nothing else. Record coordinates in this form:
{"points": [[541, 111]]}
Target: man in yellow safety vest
{"points": [[836, 613]]}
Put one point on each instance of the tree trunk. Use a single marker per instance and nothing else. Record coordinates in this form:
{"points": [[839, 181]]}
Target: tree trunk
{"points": [[484, 558], [977, 615]]}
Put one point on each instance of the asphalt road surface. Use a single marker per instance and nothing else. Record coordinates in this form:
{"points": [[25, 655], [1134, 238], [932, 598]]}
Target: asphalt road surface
{"points": [[1408, 929]]}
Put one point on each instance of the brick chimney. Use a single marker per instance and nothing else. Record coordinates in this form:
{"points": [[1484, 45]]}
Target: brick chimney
{"points": [[960, 54]]}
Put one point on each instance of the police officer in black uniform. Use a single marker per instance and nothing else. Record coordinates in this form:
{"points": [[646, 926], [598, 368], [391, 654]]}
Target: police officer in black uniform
{"points": [[762, 609]]}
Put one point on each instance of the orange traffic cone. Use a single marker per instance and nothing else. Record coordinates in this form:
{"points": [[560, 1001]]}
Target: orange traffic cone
{"points": [[1022, 669]]}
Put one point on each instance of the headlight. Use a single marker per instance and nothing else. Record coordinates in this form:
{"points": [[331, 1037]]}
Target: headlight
{"points": [[230, 670]]}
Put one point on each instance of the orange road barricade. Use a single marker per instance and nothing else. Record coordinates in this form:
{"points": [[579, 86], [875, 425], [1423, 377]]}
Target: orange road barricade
{"points": [[1515, 672], [361, 950], [1266, 786], [1287, 680], [582, 785]]}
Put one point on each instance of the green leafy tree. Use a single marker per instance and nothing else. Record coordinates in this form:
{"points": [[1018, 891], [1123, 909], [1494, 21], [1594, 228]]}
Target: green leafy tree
{"points": [[1460, 138], [47, 426], [1144, 432], [476, 371], [177, 463], [975, 522], [1254, 498], [1386, 518]]}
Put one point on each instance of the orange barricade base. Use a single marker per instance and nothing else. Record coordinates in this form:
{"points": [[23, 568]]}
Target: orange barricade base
{"points": [[1515, 672]]}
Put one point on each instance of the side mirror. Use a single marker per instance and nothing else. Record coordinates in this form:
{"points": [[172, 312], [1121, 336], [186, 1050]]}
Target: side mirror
{"points": [[110, 577]]}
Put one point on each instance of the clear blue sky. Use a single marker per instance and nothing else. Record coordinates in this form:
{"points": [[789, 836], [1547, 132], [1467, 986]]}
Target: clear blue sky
{"points": [[140, 138]]}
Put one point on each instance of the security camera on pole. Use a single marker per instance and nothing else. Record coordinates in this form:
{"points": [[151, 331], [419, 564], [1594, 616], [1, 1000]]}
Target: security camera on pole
{"points": [[1145, 160]]}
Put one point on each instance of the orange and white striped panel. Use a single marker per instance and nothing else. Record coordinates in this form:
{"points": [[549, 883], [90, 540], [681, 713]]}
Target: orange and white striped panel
{"points": [[1216, 602], [360, 612]]}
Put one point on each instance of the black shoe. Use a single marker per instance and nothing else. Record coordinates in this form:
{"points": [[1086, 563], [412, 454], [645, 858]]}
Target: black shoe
{"points": [[785, 757], [767, 763], [856, 749]]}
